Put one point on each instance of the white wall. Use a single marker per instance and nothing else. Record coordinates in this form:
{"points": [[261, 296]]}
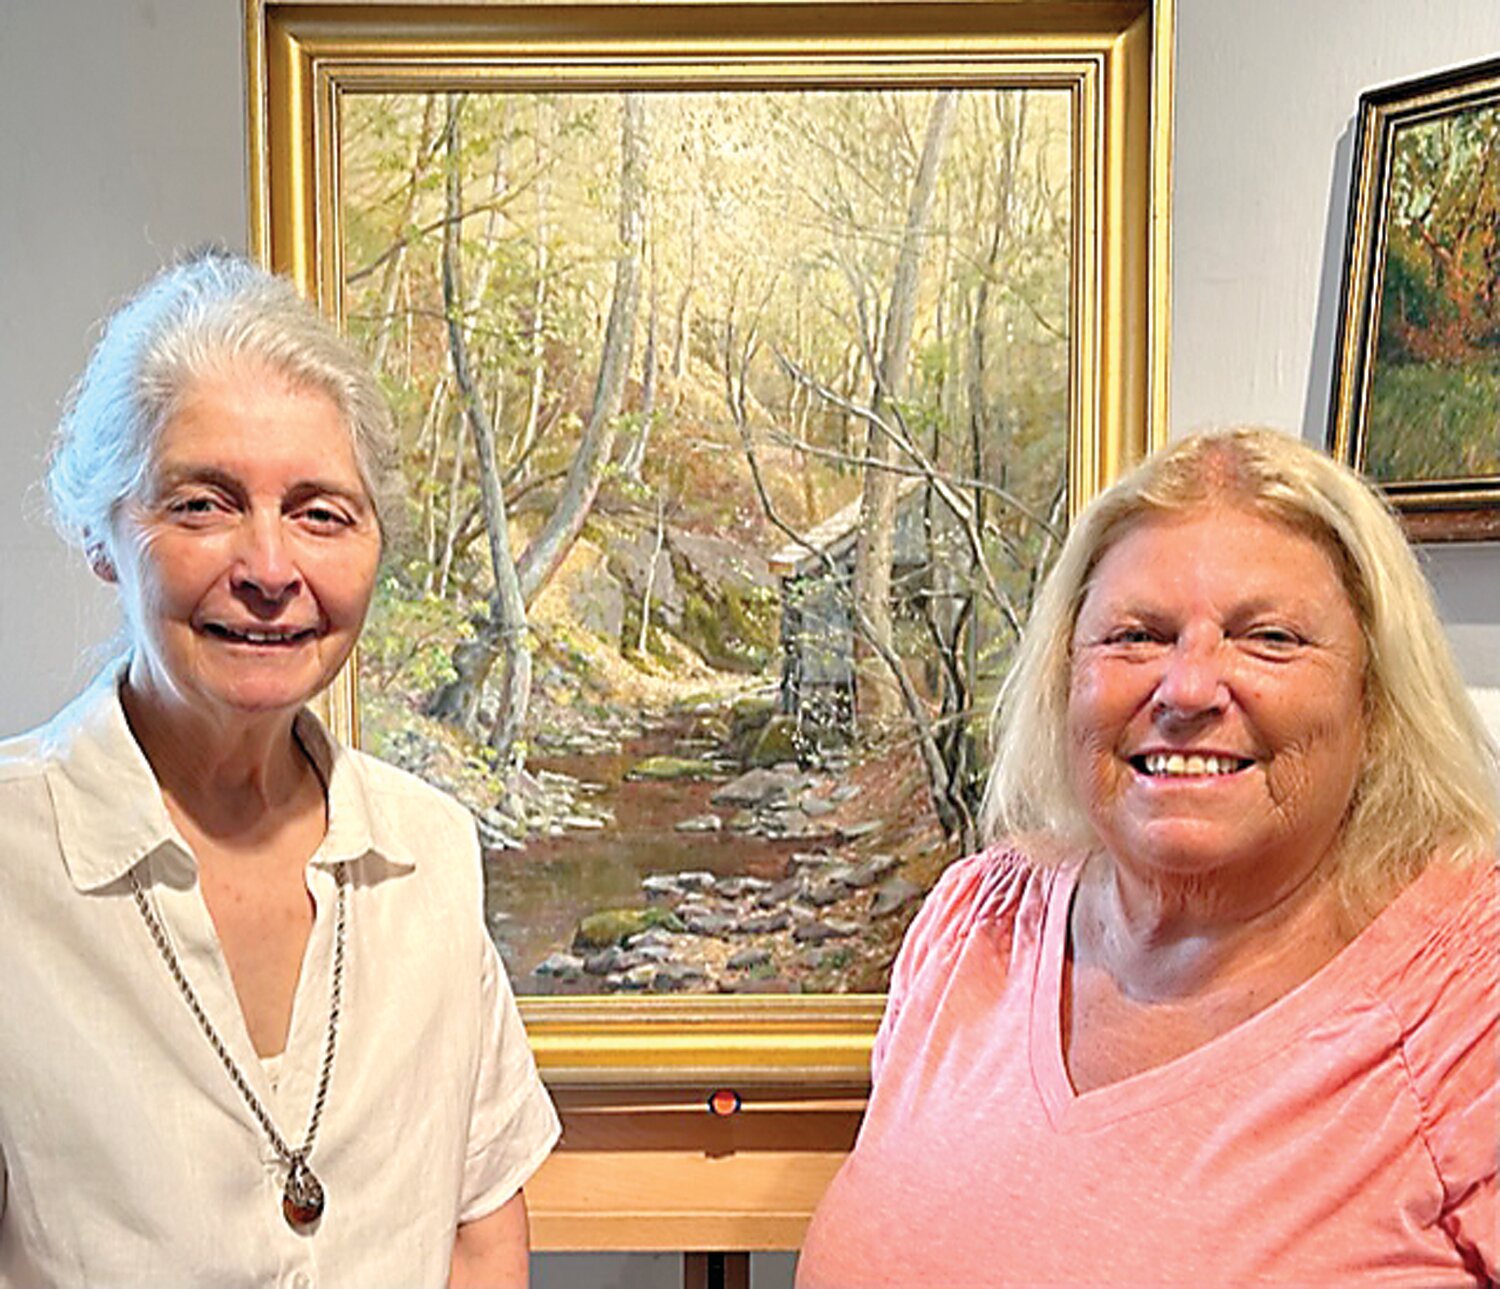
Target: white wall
{"points": [[121, 139], [1266, 97]]}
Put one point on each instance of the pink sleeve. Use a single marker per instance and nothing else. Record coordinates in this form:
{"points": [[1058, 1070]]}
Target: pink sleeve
{"points": [[970, 887], [1452, 1048]]}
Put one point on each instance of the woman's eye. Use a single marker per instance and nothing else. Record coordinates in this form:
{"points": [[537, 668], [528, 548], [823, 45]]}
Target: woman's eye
{"points": [[1130, 635], [325, 517], [1275, 637], [198, 505]]}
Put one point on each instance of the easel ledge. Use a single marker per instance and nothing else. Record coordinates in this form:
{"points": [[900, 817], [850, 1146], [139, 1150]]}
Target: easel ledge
{"points": [[652, 1171]]}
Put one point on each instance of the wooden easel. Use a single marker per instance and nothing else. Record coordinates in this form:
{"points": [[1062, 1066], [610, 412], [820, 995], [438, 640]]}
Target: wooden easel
{"points": [[654, 1171], [715, 1271]]}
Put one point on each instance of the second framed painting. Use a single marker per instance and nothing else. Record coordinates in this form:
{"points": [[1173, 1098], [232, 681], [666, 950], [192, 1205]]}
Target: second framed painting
{"points": [[1418, 378], [748, 362]]}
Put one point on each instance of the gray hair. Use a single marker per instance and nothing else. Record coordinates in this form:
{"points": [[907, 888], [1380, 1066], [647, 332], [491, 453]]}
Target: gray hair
{"points": [[1427, 782], [212, 309]]}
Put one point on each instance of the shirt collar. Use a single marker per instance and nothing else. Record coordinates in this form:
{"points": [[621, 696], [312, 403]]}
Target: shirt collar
{"points": [[359, 822], [110, 812]]}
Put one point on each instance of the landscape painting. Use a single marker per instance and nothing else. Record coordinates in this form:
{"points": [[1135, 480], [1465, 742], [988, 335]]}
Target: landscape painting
{"points": [[733, 445], [1434, 404]]}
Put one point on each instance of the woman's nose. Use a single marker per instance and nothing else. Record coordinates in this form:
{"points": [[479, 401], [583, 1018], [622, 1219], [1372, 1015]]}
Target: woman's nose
{"points": [[263, 564], [1193, 681]]}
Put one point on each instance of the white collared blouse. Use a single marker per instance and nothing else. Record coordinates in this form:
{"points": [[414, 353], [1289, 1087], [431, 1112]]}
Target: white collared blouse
{"points": [[127, 1155]]}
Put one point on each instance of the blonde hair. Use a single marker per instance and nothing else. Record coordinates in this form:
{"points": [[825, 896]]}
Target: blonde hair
{"points": [[1427, 784]]}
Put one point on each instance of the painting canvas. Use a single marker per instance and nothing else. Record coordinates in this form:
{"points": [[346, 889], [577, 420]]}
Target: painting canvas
{"points": [[1436, 386], [1419, 380], [733, 444]]}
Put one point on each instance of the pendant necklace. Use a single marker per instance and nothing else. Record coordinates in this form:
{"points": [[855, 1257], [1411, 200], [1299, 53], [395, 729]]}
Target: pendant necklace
{"points": [[302, 1196]]}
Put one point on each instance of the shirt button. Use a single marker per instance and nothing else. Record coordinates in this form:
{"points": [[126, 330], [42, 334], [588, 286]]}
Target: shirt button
{"points": [[301, 1281]]}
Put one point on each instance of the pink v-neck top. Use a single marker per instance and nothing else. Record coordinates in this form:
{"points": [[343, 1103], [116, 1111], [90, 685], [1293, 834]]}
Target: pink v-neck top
{"points": [[1346, 1135]]}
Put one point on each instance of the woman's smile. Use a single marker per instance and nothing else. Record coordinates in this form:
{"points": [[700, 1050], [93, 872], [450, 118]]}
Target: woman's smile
{"points": [[1190, 764], [270, 637]]}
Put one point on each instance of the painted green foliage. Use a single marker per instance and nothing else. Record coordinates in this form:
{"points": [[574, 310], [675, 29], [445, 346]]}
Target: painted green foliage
{"points": [[769, 246], [1436, 385], [763, 278]]}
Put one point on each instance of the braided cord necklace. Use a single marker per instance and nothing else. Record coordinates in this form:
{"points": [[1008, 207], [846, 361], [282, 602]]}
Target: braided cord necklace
{"points": [[302, 1196]]}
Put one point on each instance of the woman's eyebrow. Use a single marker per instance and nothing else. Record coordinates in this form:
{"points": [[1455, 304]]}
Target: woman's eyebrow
{"points": [[306, 488], [1286, 605], [170, 476], [173, 475]]}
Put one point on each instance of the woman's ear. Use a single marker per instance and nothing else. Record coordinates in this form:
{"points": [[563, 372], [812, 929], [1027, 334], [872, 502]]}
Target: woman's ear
{"points": [[100, 562]]}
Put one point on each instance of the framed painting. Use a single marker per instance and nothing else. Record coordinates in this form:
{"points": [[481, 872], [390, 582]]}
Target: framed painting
{"points": [[1417, 375], [748, 361]]}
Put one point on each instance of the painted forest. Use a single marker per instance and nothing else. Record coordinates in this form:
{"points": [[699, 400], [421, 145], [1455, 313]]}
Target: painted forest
{"points": [[1437, 373], [732, 447]]}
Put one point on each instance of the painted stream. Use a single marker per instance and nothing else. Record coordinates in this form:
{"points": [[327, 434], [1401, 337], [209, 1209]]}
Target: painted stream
{"points": [[536, 896]]}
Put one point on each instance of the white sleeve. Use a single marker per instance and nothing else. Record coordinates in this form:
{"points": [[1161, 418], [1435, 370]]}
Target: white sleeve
{"points": [[512, 1124]]}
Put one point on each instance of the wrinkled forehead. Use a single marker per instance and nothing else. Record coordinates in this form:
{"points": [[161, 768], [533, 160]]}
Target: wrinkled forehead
{"points": [[1289, 522], [235, 376], [253, 427]]}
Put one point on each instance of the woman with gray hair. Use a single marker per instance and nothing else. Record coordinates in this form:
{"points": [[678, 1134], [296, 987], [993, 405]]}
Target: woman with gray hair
{"points": [[1221, 1005], [253, 1029]]}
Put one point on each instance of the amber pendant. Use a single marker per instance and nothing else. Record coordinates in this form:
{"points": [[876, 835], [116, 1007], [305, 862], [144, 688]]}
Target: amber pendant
{"points": [[302, 1197]]}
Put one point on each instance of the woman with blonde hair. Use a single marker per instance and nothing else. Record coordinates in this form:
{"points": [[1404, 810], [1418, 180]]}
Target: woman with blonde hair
{"points": [[1221, 1003]]}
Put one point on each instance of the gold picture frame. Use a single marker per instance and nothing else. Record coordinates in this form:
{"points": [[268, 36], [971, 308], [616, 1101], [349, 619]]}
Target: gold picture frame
{"points": [[1113, 58], [1415, 378]]}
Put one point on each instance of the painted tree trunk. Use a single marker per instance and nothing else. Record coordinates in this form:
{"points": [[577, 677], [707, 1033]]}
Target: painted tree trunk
{"points": [[503, 634], [551, 545], [878, 699]]}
